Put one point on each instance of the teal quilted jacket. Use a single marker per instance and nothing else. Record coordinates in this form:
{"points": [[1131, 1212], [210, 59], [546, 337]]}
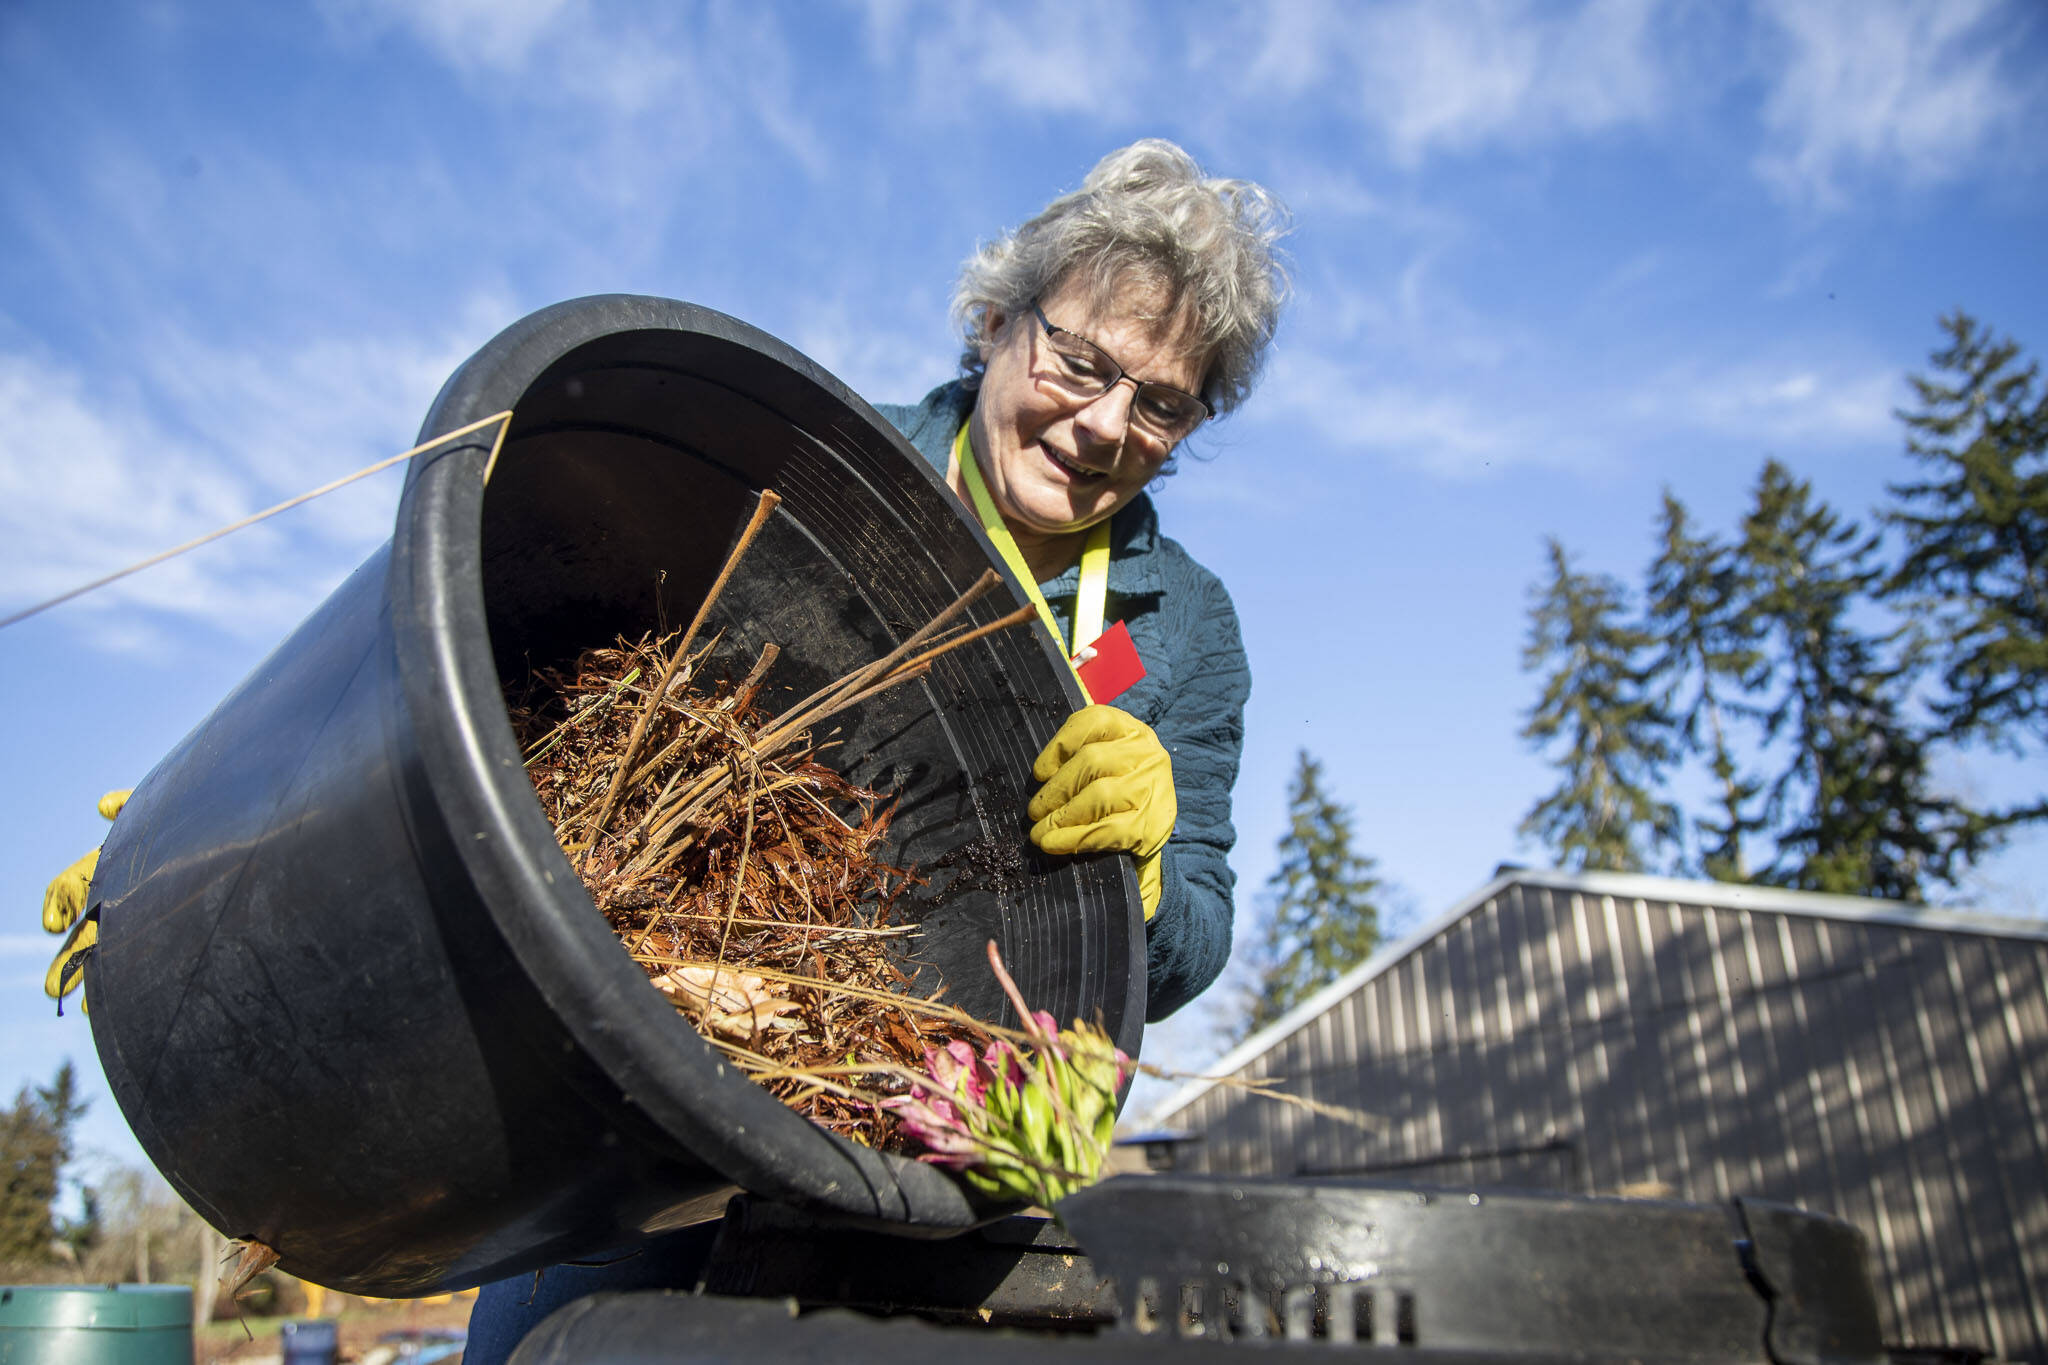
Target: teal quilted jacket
{"points": [[1193, 694]]}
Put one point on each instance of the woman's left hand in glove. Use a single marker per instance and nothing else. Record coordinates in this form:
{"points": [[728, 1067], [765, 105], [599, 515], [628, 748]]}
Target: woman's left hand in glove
{"points": [[1108, 786], [65, 899]]}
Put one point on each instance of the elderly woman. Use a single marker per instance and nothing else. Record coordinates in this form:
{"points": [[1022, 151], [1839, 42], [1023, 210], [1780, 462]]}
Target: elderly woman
{"points": [[1100, 335]]}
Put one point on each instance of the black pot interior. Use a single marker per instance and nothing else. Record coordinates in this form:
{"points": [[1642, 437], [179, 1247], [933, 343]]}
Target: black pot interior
{"points": [[631, 466]]}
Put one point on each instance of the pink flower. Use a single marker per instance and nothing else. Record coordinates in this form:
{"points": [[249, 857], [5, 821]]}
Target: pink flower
{"points": [[1029, 1120], [948, 1116], [957, 1070], [936, 1122], [949, 1143], [1002, 1063]]}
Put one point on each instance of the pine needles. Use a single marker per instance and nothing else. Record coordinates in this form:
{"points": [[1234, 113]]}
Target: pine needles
{"points": [[747, 877]]}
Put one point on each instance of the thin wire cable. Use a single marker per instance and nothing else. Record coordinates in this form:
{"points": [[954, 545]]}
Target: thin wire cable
{"points": [[284, 506]]}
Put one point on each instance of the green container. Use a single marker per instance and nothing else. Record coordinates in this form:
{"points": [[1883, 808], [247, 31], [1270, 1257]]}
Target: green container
{"points": [[95, 1324]]}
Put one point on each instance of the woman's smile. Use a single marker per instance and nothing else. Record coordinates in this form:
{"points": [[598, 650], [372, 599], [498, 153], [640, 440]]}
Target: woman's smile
{"points": [[1078, 472]]}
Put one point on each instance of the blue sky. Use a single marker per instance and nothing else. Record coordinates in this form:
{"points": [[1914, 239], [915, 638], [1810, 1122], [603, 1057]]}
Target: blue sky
{"points": [[1550, 259]]}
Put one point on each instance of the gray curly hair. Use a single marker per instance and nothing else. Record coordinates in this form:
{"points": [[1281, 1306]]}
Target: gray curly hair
{"points": [[1203, 249]]}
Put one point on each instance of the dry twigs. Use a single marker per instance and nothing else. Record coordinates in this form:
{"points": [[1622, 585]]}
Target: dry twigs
{"points": [[743, 874]]}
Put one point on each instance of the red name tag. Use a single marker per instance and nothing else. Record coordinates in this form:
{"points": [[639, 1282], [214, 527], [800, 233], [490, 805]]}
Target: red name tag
{"points": [[1115, 669]]}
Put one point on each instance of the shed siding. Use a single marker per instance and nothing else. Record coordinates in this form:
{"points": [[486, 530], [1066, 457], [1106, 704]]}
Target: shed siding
{"points": [[1571, 1040]]}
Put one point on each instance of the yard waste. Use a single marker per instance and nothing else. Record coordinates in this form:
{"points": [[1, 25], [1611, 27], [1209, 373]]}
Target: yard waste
{"points": [[739, 870]]}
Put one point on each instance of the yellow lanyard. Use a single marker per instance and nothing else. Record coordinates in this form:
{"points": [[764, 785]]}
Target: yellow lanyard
{"points": [[1093, 594]]}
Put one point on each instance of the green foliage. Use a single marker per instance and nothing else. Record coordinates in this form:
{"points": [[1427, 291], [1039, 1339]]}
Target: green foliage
{"points": [[143, 1233], [1976, 530], [1772, 662], [1598, 702], [1862, 818], [35, 1145], [1712, 656], [83, 1235], [1320, 911]]}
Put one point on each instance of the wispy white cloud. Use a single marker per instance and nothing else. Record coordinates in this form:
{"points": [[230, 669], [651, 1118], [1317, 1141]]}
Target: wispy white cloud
{"points": [[1917, 89], [1430, 78], [497, 36], [1425, 425], [1631, 276], [954, 60], [1528, 407], [619, 109], [1802, 403], [874, 359], [1918, 92], [1801, 273], [86, 484], [293, 417], [1234, 472], [95, 475], [1319, 191], [1435, 78], [661, 86]]}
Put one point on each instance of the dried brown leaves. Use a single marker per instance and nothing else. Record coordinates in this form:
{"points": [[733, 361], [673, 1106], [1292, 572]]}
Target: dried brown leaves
{"points": [[744, 875], [747, 887]]}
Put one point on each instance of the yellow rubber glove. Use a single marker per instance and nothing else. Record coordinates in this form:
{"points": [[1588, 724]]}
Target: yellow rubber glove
{"points": [[65, 896], [54, 983], [65, 899], [1108, 787]]}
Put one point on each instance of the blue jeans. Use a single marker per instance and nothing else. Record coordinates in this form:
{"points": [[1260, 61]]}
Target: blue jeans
{"points": [[507, 1310]]}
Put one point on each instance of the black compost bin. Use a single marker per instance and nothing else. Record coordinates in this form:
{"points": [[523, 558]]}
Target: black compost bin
{"points": [[1192, 1268], [349, 993]]}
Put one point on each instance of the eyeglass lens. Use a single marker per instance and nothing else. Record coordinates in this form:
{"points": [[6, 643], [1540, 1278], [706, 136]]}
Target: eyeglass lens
{"points": [[1085, 370]]}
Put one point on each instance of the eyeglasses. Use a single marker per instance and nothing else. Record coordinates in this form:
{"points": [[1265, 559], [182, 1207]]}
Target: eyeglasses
{"points": [[1084, 370]]}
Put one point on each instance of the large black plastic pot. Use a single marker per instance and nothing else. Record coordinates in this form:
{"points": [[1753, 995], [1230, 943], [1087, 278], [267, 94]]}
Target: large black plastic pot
{"points": [[350, 995]]}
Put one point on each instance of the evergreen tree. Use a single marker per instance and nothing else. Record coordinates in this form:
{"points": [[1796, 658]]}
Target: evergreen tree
{"points": [[1712, 655], [1320, 910], [81, 1235], [1866, 822], [1976, 530], [1596, 699], [35, 1145]]}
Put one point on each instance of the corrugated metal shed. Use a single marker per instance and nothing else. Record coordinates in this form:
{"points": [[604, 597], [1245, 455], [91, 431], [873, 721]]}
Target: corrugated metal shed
{"points": [[1596, 1033]]}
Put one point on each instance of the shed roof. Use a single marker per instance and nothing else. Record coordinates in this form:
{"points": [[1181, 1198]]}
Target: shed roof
{"points": [[1627, 886]]}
